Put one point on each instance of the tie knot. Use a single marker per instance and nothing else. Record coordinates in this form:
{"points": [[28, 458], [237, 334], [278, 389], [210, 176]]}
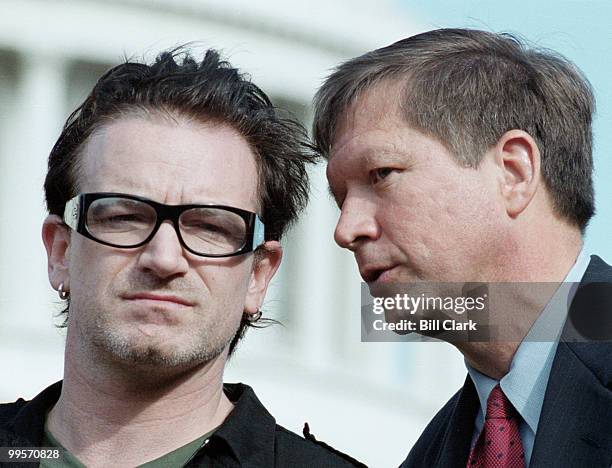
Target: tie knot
{"points": [[498, 405]]}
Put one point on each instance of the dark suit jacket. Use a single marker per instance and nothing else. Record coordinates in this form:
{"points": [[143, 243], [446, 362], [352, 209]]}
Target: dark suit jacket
{"points": [[575, 427]]}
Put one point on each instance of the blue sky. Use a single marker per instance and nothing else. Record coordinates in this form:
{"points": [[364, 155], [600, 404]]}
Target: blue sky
{"points": [[581, 31]]}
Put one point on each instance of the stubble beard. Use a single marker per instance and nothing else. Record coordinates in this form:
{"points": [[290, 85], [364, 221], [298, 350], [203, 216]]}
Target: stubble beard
{"points": [[203, 348], [105, 332], [128, 348]]}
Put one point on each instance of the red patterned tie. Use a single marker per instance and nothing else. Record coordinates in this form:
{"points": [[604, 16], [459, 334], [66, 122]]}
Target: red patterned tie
{"points": [[499, 443]]}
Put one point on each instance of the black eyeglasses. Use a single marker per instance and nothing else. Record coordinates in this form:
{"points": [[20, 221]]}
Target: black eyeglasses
{"points": [[128, 221]]}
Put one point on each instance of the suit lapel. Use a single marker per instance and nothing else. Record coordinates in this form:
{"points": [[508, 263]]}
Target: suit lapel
{"points": [[575, 426], [455, 448]]}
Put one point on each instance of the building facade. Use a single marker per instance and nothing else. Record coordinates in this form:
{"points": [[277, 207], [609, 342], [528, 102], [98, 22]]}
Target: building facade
{"points": [[367, 399]]}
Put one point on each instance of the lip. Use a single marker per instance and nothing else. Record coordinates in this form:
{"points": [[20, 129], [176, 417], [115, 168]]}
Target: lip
{"points": [[376, 274], [158, 298]]}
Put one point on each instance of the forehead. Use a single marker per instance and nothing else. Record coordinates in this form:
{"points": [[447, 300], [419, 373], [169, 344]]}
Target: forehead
{"points": [[374, 109], [371, 126], [171, 161]]}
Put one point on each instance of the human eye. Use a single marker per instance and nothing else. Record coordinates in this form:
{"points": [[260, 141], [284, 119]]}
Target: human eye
{"points": [[121, 221], [379, 174], [333, 195], [123, 218], [119, 215], [212, 224], [207, 226]]}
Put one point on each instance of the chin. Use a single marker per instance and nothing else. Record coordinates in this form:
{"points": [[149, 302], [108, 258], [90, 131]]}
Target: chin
{"points": [[158, 351]]}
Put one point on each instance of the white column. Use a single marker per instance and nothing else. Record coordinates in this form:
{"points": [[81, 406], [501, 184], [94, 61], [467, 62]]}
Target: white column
{"points": [[35, 121], [315, 283]]}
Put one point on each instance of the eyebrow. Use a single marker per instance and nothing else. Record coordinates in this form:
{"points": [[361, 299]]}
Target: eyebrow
{"points": [[386, 154]]}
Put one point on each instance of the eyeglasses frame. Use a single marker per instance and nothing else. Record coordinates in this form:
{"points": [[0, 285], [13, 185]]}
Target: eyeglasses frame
{"points": [[75, 213]]}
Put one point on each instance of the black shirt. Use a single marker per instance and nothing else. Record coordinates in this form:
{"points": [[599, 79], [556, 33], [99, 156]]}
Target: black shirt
{"points": [[249, 437]]}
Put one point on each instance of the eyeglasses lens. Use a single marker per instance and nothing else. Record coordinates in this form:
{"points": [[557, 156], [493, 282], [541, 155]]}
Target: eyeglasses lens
{"points": [[125, 223]]}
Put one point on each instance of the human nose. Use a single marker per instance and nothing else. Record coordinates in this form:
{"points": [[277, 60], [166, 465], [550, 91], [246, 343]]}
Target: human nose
{"points": [[356, 224], [163, 254]]}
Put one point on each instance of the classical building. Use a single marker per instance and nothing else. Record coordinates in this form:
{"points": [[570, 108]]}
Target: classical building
{"points": [[368, 399]]}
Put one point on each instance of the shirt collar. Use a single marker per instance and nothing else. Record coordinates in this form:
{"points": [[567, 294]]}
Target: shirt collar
{"points": [[248, 431], [29, 422], [525, 383]]}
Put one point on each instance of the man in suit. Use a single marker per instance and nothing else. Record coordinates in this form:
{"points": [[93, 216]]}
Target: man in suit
{"points": [[465, 156]]}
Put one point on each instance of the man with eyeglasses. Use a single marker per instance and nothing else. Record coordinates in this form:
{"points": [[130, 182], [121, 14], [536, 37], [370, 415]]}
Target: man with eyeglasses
{"points": [[168, 191]]}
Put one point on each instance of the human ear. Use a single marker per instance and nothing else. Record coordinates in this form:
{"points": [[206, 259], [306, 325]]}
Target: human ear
{"points": [[56, 237], [267, 260], [518, 157]]}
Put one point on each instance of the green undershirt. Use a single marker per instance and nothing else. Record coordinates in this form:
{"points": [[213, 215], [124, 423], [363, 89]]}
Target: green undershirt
{"points": [[176, 458]]}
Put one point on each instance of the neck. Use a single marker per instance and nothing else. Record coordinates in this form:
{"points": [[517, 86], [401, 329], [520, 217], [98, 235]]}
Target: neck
{"points": [[491, 359], [516, 306], [106, 415]]}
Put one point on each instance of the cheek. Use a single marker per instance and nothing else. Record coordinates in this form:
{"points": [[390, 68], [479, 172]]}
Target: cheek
{"points": [[415, 214], [81, 263], [227, 284], [93, 267], [437, 216]]}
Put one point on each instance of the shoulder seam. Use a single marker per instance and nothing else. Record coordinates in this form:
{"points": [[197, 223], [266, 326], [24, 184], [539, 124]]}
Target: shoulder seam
{"points": [[310, 437]]}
